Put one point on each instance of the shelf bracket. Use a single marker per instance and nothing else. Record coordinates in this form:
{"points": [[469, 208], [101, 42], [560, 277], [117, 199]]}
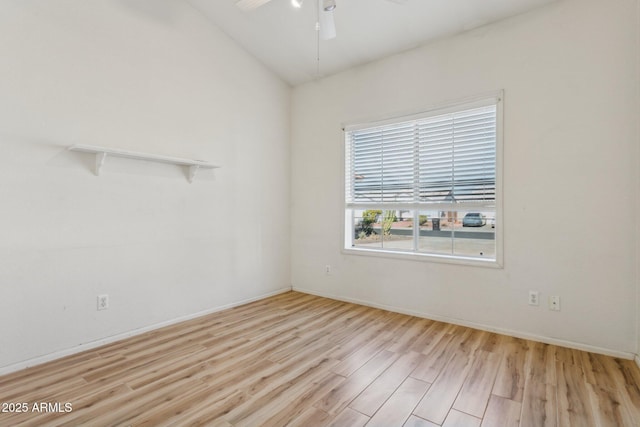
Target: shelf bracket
{"points": [[193, 170], [102, 152], [100, 158]]}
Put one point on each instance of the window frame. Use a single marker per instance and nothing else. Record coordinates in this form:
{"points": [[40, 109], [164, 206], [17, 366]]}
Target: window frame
{"points": [[496, 98]]}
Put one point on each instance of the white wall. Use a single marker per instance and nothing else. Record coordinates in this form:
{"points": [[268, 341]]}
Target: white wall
{"points": [[570, 75], [143, 75], [638, 190]]}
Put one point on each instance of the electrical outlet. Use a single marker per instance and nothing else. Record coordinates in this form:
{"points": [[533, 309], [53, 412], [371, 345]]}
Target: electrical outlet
{"points": [[534, 298], [554, 303], [327, 270], [103, 302]]}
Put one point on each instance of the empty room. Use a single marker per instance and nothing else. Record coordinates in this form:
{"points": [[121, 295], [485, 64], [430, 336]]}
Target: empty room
{"points": [[320, 213]]}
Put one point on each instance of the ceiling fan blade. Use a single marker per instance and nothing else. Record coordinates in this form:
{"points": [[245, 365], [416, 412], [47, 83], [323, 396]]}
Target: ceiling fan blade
{"points": [[246, 5], [327, 25]]}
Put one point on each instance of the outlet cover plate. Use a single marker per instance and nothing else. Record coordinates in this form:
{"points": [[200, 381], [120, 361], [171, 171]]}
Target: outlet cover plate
{"points": [[103, 302]]}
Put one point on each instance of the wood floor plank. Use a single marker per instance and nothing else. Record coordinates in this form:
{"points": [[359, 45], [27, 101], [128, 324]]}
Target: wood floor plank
{"points": [[437, 402], [40, 391], [402, 342], [211, 411], [539, 405], [274, 374], [137, 377], [309, 336], [476, 390], [293, 348], [569, 356], [430, 337], [251, 351], [631, 391], [134, 365], [311, 417], [460, 419], [400, 405], [277, 395], [301, 360], [282, 409], [631, 400], [542, 362], [630, 372], [172, 410], [81, 405], [11, 381], [20, 385], [353, 362], [294, 408], [502, 412], [414, 421], [607, 407], [339, 397], [349, 418], [473, 342], [169, 343], [604, 371], [494, 343], [438, 357], [253, 378], [574, 407], [131, 405], [365, 329], [511, 375], [372, 398]]}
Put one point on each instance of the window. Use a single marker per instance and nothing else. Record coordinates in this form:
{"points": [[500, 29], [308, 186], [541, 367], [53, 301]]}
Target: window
{"points": [[426, 185]]}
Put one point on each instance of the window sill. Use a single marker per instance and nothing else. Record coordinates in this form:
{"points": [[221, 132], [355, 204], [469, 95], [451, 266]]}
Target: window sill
{"points": [[424, 257]]}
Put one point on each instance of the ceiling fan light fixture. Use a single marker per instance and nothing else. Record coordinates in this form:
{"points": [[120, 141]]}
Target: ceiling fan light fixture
{"points": [[328, 5], [297, 3]]}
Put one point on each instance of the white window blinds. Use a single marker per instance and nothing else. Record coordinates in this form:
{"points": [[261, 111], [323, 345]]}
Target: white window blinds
{"points": [[443, 158]]}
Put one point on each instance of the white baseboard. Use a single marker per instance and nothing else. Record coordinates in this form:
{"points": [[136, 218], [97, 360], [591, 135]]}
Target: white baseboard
{"points": [[474, 325], [108, 340], [638, 360]]}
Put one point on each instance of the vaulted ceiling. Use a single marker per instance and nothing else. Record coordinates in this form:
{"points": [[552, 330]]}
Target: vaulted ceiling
{"points": [[285, 39]]}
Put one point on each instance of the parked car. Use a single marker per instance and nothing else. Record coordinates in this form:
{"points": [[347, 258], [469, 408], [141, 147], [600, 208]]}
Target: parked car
{"points": [[493, 222], [474, 219]]}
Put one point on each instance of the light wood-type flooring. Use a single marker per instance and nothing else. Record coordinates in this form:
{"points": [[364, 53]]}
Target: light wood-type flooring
{"points": [[301, 360]]}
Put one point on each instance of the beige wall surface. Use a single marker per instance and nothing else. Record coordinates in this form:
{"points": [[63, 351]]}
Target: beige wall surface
{"points": [[569, 72], [147, 76]]}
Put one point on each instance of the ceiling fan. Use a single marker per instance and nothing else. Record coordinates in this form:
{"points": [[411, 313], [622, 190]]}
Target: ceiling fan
{"points": [[325, 26]]}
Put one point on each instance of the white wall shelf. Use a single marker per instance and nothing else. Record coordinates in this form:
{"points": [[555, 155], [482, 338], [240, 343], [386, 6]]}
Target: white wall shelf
{"points": [[102, 153]]}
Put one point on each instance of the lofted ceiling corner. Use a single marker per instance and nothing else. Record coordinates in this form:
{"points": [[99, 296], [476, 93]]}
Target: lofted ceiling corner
{"points": [[285, 39]]}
